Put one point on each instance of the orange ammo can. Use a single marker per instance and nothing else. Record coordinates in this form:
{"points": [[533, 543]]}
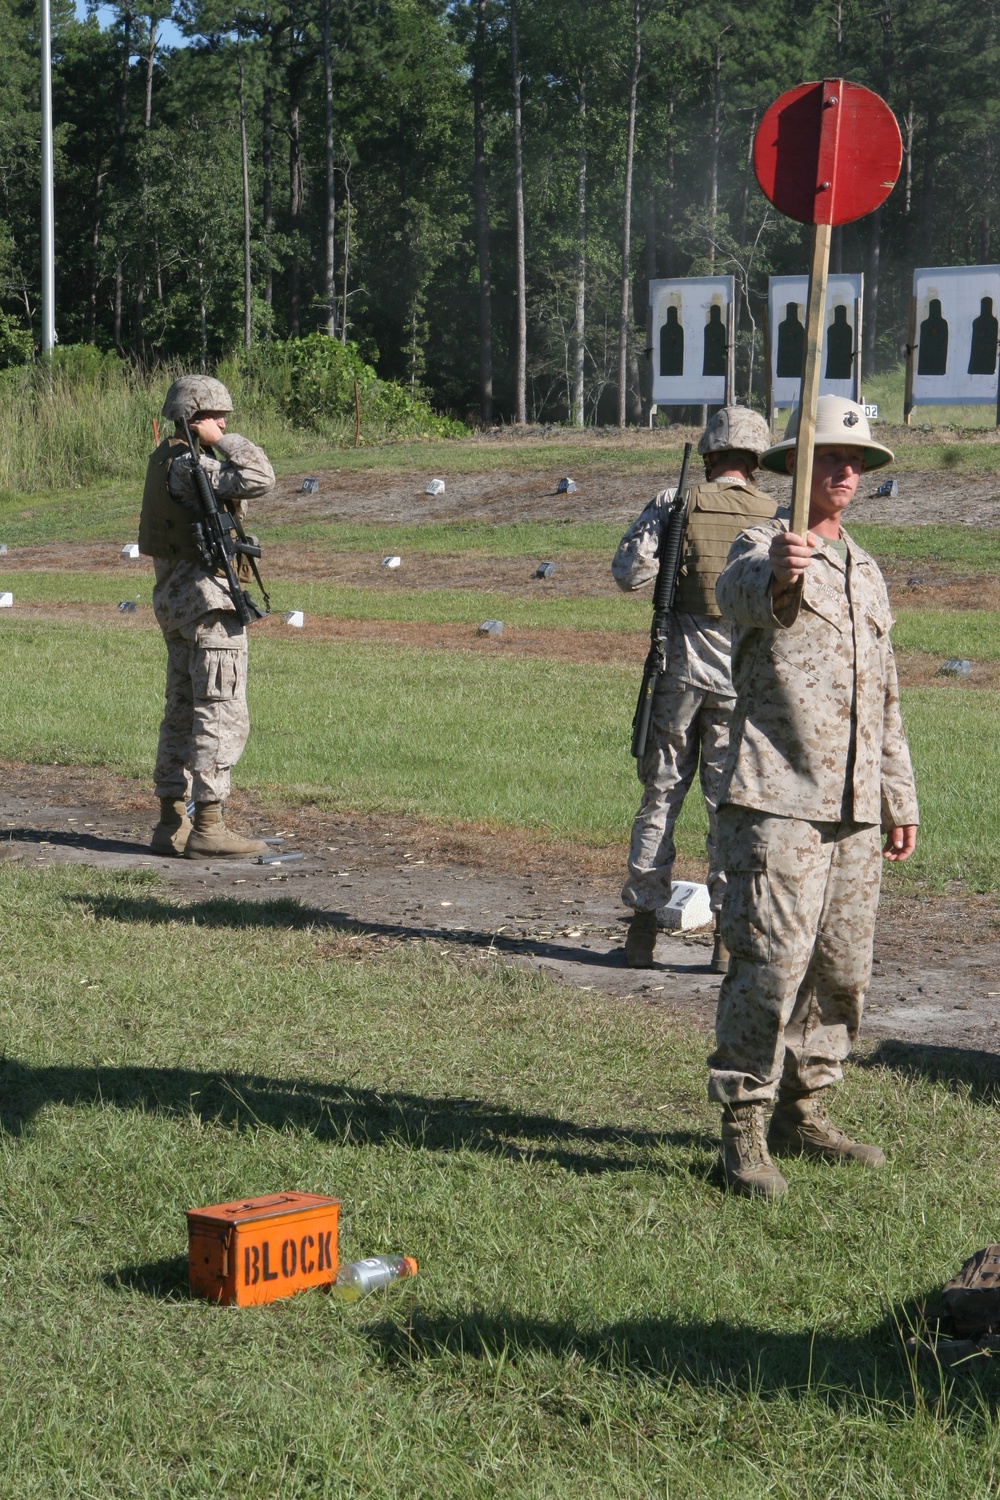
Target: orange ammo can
{"points": [[258, 1249]]}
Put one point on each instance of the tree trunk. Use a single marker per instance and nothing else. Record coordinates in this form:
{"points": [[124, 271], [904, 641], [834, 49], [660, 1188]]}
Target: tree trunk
{"points": [[623, 319], [871, 292], [927, 202], [668, 223], [122, 134], [140, 291], [521, 341], [580, 307], [95, 246], [482, 222], [267, 194], [713, 179], [294, 217], [347, 250], [908, 157], [634, 397], [203, 313], [245, 171], [331, 202]]}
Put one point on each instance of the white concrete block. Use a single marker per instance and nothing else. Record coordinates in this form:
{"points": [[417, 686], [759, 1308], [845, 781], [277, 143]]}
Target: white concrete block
{"points": [[6, 601], [687, 909], [130, 550], [391, 562], [295, 617], [436, 487]]}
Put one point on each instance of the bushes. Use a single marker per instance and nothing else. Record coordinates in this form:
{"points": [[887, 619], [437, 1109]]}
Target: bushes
{"points": [[85, 417], [312, 381]]}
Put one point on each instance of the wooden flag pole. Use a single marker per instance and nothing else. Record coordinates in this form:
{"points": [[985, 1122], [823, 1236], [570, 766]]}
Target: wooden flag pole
{"points": [[809, 393]]}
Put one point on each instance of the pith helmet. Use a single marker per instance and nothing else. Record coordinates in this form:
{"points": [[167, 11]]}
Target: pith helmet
{"points": [[838, 422], [190, 394], [735, 427]]}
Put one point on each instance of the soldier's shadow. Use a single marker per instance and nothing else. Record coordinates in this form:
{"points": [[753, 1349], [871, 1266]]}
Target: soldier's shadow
{"points": [[965, 1068], [351, 1116], [225, 911], [847, 1371]]}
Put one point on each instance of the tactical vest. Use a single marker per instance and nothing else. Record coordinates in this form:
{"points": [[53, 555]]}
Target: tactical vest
{"points": [[165, 524], [717, 513]]}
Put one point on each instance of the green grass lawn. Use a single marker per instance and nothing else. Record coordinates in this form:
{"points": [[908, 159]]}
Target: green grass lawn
{"points": [[593, 1317], [523, 743]]}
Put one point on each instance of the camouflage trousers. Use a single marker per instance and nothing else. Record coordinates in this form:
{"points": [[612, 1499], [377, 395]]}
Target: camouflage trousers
{"points": [[798, 918], [205, 723], [688, 731]]}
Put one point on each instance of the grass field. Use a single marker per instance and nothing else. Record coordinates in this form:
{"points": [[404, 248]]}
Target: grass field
{"points": [[523, 743], [592, 1317]]}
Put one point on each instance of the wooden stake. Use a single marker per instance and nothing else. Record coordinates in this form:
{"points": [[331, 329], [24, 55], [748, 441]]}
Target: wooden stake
{"points": [[765, 324], [809, 393], [911, 350]]}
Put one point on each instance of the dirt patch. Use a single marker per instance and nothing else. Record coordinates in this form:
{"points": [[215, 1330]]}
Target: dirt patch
{"points": [[371, 883], [575, 577], [594, 647], [604, 494], [922, 591], [921, 669]]}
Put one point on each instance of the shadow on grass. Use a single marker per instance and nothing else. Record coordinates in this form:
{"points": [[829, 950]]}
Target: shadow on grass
{"points": [[59, 838], [166, 1280], [872, 1366], [954, 1067], [346, 1115], [225, 912]]}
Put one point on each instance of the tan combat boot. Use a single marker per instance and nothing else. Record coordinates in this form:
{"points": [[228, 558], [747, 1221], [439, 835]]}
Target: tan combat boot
{"points": [[800, 1126], [211, 839], [746, 1165], [720, 953], [640, 940], [171, 833]]}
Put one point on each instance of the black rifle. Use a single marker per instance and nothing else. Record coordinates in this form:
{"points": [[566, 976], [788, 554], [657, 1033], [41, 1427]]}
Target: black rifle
{"points": [[669, 556], [220, 537]]}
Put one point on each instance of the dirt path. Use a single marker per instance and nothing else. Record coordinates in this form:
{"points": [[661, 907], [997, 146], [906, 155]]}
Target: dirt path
{"points": [[924, 498], [375, 883]]}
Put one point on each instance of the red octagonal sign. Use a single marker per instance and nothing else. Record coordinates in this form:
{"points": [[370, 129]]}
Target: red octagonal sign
{"points": [[827, 153]]}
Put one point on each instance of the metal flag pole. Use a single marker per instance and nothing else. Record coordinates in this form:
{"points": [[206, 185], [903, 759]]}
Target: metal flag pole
{"points": [[48, 198]]}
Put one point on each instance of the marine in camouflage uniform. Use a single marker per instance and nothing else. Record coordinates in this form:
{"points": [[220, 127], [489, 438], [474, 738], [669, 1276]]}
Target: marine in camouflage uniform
{"points": [[205, 723], [816, 773], [693, 703]]}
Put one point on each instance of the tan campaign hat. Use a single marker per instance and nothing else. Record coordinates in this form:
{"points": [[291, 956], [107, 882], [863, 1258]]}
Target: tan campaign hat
{"points": [[838, 422]]}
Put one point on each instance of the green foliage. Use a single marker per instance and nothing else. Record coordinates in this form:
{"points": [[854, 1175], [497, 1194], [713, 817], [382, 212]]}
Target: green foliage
{"points": [[16, 344], [316, 379]]}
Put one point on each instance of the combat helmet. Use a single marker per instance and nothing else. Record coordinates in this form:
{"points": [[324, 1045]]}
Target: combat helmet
{"points": [[839, 422], [191, 394], [735, 427]]}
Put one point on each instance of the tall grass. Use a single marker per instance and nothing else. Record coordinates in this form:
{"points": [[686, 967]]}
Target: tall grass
{"points": [[66, 427], [88, 418]]}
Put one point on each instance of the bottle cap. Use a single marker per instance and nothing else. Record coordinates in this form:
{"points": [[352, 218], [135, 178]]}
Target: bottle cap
{"points": [[409, 1266]]}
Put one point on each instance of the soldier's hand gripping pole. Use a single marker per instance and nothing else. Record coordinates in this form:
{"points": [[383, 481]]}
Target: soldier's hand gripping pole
{"points": [[223, 538], [664, 590]]}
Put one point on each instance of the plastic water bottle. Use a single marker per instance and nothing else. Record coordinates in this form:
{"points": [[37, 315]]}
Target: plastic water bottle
{"points": [[359, 1277]]}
